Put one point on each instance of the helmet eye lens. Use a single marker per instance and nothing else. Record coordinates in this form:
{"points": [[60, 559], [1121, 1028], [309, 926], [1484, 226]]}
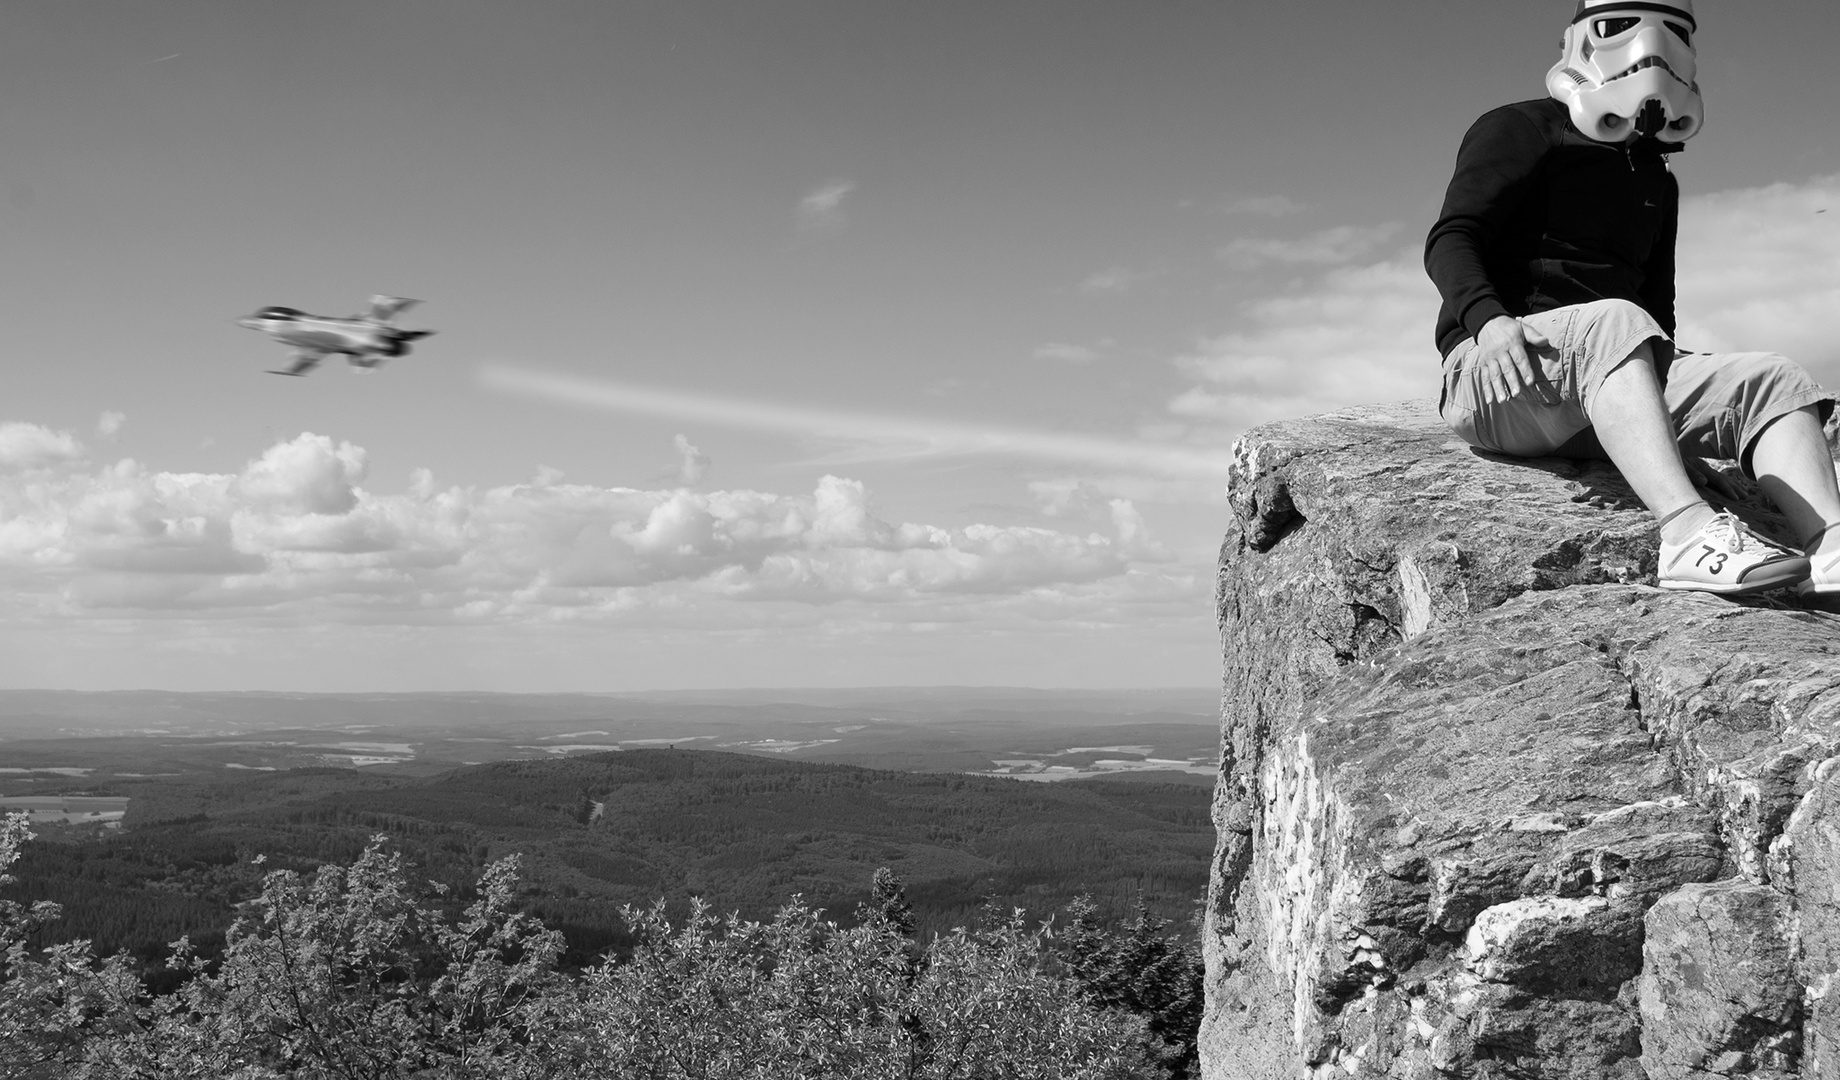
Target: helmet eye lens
{"points": [[1617, 25]]}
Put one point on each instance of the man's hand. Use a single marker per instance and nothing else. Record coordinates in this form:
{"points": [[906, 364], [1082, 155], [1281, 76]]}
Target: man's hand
{"points": [[1504, 363]]}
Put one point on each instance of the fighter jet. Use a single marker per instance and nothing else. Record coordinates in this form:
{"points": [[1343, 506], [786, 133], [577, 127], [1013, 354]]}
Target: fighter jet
{"points": [[365, 340]]}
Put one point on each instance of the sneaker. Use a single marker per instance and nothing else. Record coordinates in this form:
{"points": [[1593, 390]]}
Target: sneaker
{"points": [[1726, 558], [1824, 578]]}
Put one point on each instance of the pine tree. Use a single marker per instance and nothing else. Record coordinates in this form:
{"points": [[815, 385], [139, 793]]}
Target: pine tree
{"points": [[1139, 970], [888, 901]]}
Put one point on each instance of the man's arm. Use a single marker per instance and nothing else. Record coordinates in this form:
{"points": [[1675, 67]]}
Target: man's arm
{"points": [[1496, 165], [1658, 273]]}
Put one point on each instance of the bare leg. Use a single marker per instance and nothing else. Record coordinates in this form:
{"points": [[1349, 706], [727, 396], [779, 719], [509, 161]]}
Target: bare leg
{"points": [[1791, 462], [1632, 423]]}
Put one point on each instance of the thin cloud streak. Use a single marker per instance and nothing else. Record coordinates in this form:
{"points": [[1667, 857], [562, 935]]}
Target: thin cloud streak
{"points": [[823, 208], [926, 438]]}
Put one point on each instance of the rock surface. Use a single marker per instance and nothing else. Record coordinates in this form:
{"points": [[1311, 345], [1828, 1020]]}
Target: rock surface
{"points": [[1492, 805]]}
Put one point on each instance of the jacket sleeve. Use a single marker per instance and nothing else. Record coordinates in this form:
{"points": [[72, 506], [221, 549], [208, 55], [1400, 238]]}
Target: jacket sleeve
{"points": [[1658, 273], [1496, 165]]}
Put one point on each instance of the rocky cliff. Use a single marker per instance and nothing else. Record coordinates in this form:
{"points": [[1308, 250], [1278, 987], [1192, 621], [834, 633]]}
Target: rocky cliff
{"points": [[1490, 804]]}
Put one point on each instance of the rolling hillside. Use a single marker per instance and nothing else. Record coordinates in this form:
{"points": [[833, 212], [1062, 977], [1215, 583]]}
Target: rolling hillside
{"points": [[600, 830]]}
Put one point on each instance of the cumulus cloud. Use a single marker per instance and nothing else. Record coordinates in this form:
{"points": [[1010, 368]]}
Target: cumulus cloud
{"points": [[692, 464], [308, 475], [296, 535], [28, 446], [1758, 271], [1133, 535], [822, 208], [1356, 334], [109, 424]]}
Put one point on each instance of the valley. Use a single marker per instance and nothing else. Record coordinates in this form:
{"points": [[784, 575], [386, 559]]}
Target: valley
{"points": [[159, 814]]}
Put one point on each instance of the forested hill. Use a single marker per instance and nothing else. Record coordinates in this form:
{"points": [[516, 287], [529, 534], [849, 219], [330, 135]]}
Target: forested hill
{"points": [[746, 833]]}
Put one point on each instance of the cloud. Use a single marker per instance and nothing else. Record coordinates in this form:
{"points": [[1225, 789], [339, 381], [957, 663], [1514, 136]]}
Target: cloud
{"points": [[1133, 535], [873, 437], [822, 208], [1758, 271], [295, 537], [1329, 247], [1263, 206], [1113, 280], [1067, 497], [1355, 334], [1067, 354], [110, 423], [305, 476], [28, 446], [692, 464]]}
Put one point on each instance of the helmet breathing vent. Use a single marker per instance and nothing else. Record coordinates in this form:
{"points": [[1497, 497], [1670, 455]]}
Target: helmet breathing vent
{"points": [[1574, 75]]}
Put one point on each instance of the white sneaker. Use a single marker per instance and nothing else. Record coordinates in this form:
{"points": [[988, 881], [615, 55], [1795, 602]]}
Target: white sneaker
{"points": [[1824, 576], [1725, 557]]}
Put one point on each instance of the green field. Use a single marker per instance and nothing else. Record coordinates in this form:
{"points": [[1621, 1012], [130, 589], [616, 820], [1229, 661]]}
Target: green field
{"points": [[67, 809]]}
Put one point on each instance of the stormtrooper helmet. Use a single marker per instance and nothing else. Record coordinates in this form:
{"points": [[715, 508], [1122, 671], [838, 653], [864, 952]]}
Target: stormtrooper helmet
{"points": [[1630, 67]]}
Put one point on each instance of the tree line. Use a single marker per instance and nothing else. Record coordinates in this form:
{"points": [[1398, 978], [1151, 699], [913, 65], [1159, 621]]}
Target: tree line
{"points": [[745, 833], [352, 971]]}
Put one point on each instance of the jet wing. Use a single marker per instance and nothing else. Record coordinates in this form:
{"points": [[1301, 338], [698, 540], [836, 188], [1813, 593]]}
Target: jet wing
{"points": [[304, 360], [385, 308]]}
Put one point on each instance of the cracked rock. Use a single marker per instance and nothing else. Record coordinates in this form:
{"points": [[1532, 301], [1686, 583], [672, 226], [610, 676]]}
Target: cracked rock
{"points": [[1719, 993], [1570, 947], [1486, 793]]}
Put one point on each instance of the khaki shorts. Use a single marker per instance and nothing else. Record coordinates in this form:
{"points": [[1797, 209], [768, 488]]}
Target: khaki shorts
{"points": [[1720, 402]]}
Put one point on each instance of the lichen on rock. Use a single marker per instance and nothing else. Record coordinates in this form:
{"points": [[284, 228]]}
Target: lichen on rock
{"points": [[1474, 763]]}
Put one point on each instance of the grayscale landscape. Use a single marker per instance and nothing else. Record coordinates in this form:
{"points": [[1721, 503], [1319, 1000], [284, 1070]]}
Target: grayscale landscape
{"points": [[544, 539], [52, 741]]}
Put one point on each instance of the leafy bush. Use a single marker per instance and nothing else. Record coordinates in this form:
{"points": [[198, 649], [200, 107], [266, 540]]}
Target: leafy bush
{"points": [[354, 974], [52, 1006]]}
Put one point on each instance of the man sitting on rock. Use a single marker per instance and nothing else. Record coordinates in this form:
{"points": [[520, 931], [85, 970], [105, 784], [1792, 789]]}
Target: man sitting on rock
{"points": [[1555, 258]]}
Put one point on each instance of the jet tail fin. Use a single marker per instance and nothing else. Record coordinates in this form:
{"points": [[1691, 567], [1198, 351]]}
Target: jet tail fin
{"points": [[385, 308]]}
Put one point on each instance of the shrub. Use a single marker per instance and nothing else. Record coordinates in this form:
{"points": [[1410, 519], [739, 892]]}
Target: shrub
{"points": [[351, 974], [52, 1007]]}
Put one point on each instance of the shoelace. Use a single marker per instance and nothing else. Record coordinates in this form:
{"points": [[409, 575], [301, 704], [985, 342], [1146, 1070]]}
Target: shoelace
{"points": [[1726, 528], [1738, 536]]}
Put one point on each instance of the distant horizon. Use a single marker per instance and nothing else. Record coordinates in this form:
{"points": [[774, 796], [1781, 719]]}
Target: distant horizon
{"points": [[784, 694], [784, 716], [652, 690]]}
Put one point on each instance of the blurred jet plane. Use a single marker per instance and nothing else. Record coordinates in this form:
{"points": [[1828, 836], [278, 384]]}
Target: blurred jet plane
{"points": [[366, 340]]}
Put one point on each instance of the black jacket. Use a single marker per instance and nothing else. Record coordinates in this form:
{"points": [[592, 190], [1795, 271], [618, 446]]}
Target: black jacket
{"points": [[1538, 216]]}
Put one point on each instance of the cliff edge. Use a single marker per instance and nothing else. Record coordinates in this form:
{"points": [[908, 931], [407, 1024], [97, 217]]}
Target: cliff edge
{"points": [[1492, 805]]}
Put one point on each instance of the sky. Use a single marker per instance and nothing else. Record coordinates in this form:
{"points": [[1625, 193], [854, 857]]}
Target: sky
{"points": [[779, 342]]}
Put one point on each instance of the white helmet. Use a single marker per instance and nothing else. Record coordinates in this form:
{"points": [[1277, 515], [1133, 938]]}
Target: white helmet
{"points": [[1629, 66]]}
